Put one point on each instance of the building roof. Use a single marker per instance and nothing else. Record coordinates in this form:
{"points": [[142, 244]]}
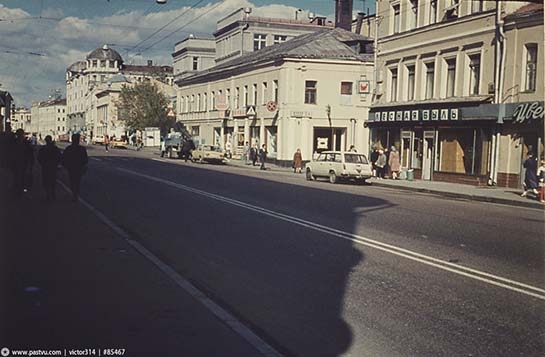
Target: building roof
{"points": [[147, 69], [525, 11], [77, 66], [118, 78], [52, 102], [322, 44], [105, 53]]}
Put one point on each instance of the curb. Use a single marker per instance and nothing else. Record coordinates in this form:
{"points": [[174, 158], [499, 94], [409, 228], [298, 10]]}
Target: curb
{"points": [[529, 204]]}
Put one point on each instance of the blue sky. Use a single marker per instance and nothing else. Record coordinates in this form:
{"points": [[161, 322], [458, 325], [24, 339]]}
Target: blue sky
{"points": [[39, 39]]}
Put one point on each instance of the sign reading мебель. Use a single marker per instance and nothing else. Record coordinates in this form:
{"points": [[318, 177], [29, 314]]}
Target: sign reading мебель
{"points": [[417, 115]]}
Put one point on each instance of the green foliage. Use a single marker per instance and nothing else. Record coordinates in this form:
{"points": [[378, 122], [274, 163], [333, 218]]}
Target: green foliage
{"points": [[143, 105]]}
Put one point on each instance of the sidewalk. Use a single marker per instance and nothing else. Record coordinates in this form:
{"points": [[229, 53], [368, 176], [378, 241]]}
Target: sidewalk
{"points": [[68, 281], [502, 195]]}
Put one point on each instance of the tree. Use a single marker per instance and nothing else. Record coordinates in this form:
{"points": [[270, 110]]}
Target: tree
{"points": [[143, 105]]}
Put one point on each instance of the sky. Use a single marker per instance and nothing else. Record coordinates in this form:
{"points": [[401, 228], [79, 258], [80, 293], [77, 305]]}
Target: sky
{"points": [[40, 39]]}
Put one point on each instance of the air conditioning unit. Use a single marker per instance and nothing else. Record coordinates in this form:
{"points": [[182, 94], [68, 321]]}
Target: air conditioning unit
{"points": [[491, 88]]}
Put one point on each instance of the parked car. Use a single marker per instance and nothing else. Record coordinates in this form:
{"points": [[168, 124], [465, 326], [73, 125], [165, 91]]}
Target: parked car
{"points": [[336, 165], [209, 153], [118, 143], [98, 139]]}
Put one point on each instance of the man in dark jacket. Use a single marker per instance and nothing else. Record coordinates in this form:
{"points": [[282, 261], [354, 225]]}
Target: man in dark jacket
{"points": [[74, 159], [530, 177], [49, 158], [22, 159], [262, 156]]}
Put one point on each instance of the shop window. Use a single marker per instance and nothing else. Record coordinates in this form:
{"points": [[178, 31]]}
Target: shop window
{"points": [[310, 92], [260, 41], [474, 74], [464, 151], [531, 67]]}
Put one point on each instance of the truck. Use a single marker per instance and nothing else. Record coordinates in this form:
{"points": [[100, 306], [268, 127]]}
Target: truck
{"points": [[178, 142]]}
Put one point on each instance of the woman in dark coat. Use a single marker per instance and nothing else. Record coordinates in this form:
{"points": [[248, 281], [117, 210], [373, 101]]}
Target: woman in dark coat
{"points": [[530, 177]]}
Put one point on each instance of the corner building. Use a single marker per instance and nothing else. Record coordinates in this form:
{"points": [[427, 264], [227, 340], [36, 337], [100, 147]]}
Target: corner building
{"points": [[459, 88], [304, 93]]}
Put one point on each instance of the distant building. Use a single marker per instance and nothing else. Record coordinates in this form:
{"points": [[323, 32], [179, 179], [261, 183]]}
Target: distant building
{"points": [[21, 119], [6, 101], [101, 74], [47, 118], [459, 88]]}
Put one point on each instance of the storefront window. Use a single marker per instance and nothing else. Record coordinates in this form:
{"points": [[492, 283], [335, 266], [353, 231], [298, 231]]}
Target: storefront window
{"points": [[464, 151], [272, 141]]}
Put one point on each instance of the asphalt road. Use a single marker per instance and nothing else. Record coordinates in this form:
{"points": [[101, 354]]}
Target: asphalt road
{"points": [[325, 270]]}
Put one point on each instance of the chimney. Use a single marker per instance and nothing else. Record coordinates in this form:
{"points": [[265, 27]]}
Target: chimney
{"points": [[343, 14], [359, 21], [150, 63]]}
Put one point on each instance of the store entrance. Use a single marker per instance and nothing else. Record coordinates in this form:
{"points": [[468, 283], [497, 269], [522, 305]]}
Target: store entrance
{"points": [[428, 154]]}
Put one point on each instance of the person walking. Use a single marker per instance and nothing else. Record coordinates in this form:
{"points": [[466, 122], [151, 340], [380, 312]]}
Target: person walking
{"points": [[530, 177], [106, 142], [393, 162], [22, 160], [262, 157], [228, 152], [381, 164], [245, 153], [75, 159], [374, 158], [49, 158], [541, 179], [297, 161], [253, 154]]}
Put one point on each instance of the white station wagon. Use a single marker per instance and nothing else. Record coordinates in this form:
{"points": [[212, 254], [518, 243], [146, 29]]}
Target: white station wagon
{"points": [[336, 165]]}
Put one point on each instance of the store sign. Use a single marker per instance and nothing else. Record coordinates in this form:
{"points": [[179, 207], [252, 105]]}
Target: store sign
{"points": [[527, 111], [300, 114], [416, 115], [239, 113]]}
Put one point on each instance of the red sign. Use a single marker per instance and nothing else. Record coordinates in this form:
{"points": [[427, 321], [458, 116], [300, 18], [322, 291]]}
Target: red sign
{"points": [[271, 106], [363, 87]]}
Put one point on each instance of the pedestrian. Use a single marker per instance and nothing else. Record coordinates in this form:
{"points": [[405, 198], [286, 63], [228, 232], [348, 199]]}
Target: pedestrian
{"points": [[246, 153], [262, 157], [297, 161], [133, 139], [541, 179], [228, 152], [49, 158], [387, 166], [381, 164], [374, 158], [22, 160], [253, 154], [106, 142], [352, 149], [530, 177], [74, 159], [393, 162]]}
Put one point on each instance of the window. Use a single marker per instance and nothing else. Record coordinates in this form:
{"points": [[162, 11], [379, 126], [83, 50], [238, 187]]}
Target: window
{"points": [[531, 67], [195, 63], [212, 100], [102, 63], [260, 41], [474, 74], [195, 131], [410, 82], [280, 39], [414, 14], [275, 91], [228, 97], [254, 94], [204, 101], [237, 97], [451, 76], [111, 64], [346, 88], [433, 11], [310, 92], [395, 9], [430, 74], [264, 94], [393, 86], [246, 99], [476, 6], [95, 63]]}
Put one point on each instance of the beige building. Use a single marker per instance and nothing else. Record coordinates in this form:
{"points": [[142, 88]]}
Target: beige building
{"points": [[309, 93], [93, 85], [48, 118], [20, 119], [450, 75]]}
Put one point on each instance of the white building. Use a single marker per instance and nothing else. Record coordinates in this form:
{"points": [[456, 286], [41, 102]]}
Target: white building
{"points": [[20, 119], [310, 93], [87, 82], [48, 118]]}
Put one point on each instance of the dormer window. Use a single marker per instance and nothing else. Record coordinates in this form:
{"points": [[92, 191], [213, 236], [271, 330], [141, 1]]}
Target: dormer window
{"points": [[451, 12]]}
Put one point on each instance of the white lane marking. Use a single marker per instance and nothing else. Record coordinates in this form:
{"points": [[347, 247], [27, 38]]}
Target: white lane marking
{"points": [[223, 315], [421, 258]]}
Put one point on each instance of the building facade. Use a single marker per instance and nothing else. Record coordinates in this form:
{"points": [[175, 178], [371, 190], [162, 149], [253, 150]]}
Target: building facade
{"points": [[90, 108], [450, 77], [304, 93], [48, 118]]}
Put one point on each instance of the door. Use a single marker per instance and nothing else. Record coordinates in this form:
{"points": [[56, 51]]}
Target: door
{"points": [[428, 154], [406, 148]]}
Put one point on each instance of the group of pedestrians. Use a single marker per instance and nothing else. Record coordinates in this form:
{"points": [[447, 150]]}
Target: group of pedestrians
{"points": [[251, 154], [18, 153], [534, 177], [385, 163]]}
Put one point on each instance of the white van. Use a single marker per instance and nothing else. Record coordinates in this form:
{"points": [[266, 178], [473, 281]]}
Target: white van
{"points": [[336, 165]]}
